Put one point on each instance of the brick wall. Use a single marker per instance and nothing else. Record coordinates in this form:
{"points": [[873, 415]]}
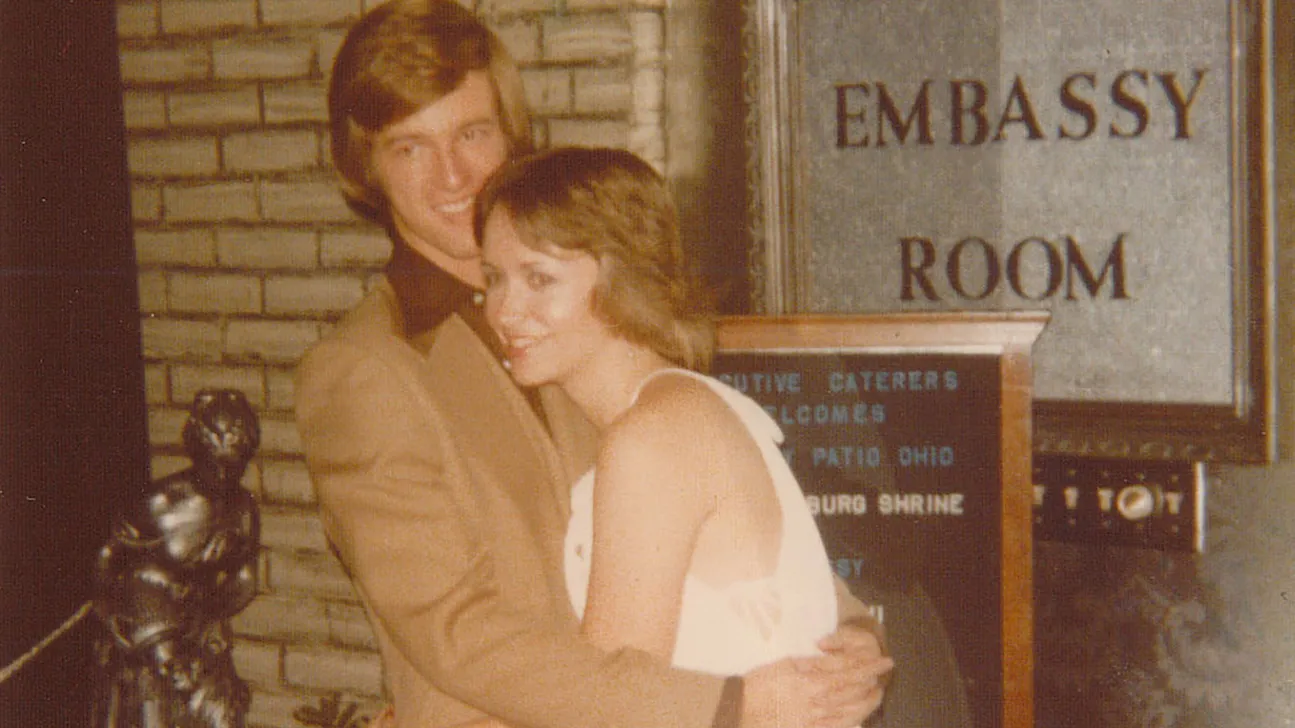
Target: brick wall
{"points": [[247, 253]]}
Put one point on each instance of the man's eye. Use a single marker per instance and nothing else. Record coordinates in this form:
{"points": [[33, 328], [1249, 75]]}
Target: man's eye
{"points": [[404, 151], [538, 280]]}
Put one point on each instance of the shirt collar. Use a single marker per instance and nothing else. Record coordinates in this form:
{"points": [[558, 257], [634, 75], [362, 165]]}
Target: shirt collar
{"points": [[427, 294]]}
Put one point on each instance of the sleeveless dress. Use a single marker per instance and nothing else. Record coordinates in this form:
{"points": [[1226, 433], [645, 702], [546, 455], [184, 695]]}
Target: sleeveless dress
{"points": [[730, 630]]}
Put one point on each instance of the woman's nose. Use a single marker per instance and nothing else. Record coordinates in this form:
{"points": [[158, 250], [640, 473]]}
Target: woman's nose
{"points": [[502, 306]]}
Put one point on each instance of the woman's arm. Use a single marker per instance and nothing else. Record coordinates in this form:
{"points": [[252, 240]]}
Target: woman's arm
{"points": [[649, 505]]}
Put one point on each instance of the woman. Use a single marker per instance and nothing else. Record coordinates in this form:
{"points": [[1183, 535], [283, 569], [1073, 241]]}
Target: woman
{"points": [[695, 544]]}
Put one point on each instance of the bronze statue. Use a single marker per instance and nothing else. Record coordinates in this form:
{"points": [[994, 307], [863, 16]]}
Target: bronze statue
{"points": [[179, 564]]}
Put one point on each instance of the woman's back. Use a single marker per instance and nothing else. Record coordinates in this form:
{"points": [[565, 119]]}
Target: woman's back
{"points": [[758, 586]]}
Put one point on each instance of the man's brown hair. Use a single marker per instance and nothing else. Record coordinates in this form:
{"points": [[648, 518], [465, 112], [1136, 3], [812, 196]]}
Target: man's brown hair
{"points": [[614, 206], [400, 57]]}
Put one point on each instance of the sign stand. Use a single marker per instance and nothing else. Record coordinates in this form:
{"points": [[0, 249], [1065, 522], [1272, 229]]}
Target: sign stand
{"points": [[911, 436]]}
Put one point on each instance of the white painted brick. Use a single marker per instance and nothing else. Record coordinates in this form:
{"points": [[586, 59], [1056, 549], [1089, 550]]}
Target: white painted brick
{"points": [[161, 466], [288, 482], [585, 132], [367, 248], [521, 38], [162, 65], [333, 669], [136, 20], [204, 16], [602, 90], [156, 387], [492, 11], [349, 627], [173, 157], [187, 380], [292, 530], [193, 247], [309, 12], [328, 43], [214, 202], [297, 101], [648, 30], [305, 201], [270, 151], [145, 202], [268, 59], [258, 662], [214, 108], [180, 339], [266, 248], [309, 574], [648, 141], [144, 109], [586, 38], [273, 617], [279, 435], [165, 425], [580, 6], [270, 341], [648, 91], [312, 296], [540, 132], [279, 386], [548, 90], [152, 292]]}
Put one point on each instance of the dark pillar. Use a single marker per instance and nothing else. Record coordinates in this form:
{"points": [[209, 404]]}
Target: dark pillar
{"points": [[72, 417]]}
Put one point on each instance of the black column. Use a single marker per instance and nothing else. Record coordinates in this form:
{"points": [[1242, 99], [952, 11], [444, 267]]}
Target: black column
{"points": [[72, 416]]}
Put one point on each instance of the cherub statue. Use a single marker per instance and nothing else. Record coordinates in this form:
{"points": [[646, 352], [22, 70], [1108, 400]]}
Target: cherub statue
{"points": [[179, 564]]}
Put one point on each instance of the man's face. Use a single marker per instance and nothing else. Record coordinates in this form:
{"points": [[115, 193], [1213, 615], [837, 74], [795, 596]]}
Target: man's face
{"points": [[432, 164]]}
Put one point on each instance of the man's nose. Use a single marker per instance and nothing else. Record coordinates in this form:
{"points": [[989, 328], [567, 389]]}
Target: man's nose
{"points": [[452, 169]]}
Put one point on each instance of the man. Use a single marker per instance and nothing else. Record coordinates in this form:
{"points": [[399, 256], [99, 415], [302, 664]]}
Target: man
{"points": [[443, 487]]}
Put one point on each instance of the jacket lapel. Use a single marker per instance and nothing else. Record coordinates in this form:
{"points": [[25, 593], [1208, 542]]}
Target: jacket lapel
{"points": [[481, 387]]}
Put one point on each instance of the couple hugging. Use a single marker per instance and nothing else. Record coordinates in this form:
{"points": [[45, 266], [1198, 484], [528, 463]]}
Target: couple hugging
{"points": [[538, 326]]}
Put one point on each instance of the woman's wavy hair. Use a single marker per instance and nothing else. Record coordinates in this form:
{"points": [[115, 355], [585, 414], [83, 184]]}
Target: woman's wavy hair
{"points": [[614, 206], [400, 57]]}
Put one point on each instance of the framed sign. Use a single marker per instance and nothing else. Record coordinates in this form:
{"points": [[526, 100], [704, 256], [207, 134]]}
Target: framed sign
{"points": [[910, 434], [1109, 162]]}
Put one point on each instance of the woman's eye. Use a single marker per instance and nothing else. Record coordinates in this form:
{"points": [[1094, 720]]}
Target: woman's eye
{"points": [[476, 133], [538, 280]]}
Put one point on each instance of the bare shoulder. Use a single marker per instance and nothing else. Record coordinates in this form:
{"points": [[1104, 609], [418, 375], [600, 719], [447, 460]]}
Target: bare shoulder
{"points": [[678, 420]]}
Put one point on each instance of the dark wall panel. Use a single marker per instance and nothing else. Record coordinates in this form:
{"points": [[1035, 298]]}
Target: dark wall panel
{"points": [[72, 422]]}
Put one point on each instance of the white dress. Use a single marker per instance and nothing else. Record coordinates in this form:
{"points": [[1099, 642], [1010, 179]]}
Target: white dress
{"points": [[730, 630]]}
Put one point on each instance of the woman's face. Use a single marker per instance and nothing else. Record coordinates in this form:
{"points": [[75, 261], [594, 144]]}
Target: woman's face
{"points": [[540, 304]]}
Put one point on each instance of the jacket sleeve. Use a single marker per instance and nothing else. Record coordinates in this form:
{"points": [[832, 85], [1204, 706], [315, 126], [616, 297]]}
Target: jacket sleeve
{"points": [[376, 448]]}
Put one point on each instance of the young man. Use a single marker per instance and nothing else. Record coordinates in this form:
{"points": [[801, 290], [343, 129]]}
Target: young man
{"points": [[443, 488]]}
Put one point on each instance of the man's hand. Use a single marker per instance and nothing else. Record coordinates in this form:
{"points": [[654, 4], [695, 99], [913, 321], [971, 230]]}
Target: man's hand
{"points": [[854, 659], [838, 689]]}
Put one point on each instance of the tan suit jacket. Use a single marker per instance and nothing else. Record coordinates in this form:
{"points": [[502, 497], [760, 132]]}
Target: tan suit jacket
{"points": [[447, 500]]}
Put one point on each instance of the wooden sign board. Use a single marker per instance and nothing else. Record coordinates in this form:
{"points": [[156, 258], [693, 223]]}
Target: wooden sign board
{"points": [[910, 434]]}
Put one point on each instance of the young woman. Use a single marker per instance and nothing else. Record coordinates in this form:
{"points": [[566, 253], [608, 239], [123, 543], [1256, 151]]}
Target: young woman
{"points": [[690, 538]]}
